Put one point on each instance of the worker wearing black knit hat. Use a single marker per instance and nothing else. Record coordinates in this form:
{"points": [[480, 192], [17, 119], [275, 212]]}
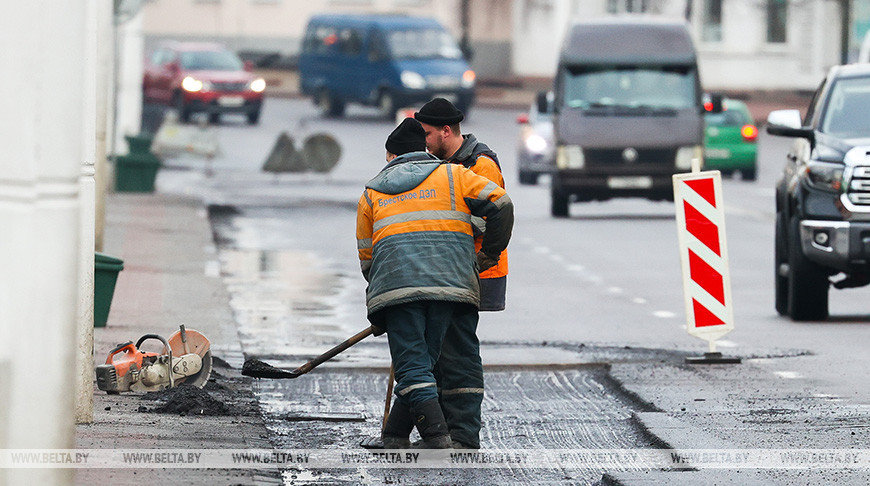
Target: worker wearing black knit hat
{"points": [[461, 401], [417, 253], [439, 112], [407, 137]]}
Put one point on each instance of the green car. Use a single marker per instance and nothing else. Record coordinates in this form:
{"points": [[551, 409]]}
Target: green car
{"points": [[729, 139]]}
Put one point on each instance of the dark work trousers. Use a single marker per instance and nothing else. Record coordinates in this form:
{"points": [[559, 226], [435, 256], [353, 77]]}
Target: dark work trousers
{"points": [[459, 373], [415, 331]]}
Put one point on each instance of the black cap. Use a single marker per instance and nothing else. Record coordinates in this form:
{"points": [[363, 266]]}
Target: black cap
{"points": [[439, 112], [409, 136]]}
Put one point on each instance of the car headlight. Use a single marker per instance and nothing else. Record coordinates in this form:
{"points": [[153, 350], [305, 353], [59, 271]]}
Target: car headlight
{"points": [[413, 80], [468, 78], [686, 154], [191, 84], [536, 144], [570, 157], [258, 85], [825, 175]]}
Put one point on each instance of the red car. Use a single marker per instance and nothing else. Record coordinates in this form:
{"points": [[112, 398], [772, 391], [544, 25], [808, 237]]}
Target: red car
{"points": [[205, 78]]}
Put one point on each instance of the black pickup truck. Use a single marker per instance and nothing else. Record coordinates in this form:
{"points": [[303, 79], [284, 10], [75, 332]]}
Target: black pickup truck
{"points": [[823, 196]]}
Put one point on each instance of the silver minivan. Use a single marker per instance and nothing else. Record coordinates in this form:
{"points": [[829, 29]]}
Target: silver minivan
{"points": [[628, 111]]}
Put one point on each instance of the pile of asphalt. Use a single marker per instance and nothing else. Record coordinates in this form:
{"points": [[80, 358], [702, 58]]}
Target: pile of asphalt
{"points": [[223, 395]]}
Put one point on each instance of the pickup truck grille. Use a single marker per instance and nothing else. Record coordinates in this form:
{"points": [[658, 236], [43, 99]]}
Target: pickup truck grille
{"points": [[859, 186]]}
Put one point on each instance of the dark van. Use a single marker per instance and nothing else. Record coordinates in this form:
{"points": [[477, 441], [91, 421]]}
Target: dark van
{"points": [[387, 61], [629, 111]]}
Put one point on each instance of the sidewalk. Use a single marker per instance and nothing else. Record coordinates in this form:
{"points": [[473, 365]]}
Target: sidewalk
{"points": [[170, 277]]}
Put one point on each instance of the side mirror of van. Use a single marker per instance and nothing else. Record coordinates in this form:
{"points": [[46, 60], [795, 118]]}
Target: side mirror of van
{"points": [[714, 103], [542, 101]]}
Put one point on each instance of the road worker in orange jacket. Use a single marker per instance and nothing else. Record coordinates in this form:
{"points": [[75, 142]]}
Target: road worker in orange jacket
{"points": [[417, 252], [440, 119], [461, 404]]}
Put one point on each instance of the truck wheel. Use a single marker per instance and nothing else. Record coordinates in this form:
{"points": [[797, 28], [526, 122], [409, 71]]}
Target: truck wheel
{"points": [[807, 282], [386, 105], [780, 264], [183, 112], [558, 204], [328, 105]]}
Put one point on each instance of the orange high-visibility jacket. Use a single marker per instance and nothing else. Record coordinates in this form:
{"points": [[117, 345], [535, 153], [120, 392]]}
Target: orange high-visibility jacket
{"points": [[414, 232], [483, 161]]}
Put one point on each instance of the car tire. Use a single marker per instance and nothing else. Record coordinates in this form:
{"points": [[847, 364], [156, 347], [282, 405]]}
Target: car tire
{"points": [[558, 203], [780, 264], [328, 105], [386, 105], [214, 118], [748, 174], [528, 178], [253, 117], [183, 111], [808, 283]]}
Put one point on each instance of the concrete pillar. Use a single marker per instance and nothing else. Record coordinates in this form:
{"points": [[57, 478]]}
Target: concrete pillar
{"points": [[129, 57], [84, 395], [43, 43], [105, 118]]}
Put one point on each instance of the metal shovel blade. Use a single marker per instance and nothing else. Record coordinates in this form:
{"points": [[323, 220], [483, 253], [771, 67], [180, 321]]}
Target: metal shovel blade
{"points": [[259, 369]]}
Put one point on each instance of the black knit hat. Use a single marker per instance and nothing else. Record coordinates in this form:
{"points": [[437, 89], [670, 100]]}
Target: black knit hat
{"points": [[439, 112], [409, 136]]}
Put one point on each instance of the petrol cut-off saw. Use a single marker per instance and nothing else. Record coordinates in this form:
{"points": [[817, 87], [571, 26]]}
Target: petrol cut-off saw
{"points": [[185, 358]]}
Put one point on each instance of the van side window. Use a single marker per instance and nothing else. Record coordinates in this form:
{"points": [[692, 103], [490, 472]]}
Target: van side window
{"points": [[350, 42], [320, 39]]}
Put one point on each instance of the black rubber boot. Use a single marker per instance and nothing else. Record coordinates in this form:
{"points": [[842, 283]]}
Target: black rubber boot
{"points": [[398, 427], [430, 423]]}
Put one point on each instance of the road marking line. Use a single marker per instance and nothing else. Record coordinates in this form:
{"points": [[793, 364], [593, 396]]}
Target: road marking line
{"points": [[663, 314], [726, 344], [614, 290], [639, 300]]}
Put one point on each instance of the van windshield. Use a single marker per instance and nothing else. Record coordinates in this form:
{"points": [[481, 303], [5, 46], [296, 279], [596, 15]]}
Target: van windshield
{"points": [[632, 87], [423, 44]]}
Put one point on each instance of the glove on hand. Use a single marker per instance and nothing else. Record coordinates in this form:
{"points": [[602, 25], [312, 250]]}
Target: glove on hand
{"points": [[377, 331], [485, 262]]}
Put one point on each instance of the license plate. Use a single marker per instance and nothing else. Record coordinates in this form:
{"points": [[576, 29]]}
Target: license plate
{"points": [[714, 153], [231, 101], [633, 182]]}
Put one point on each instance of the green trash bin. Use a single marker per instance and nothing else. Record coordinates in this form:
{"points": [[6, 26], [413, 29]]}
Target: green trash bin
{"points": [[106, 270], [137, 170]]}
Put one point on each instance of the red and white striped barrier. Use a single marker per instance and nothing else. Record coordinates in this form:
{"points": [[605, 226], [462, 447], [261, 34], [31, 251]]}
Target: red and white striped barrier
{"points": [[704, 255]]}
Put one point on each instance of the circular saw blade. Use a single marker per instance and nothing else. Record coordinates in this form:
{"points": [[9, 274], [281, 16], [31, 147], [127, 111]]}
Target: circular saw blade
{"points": [[197, 344]]}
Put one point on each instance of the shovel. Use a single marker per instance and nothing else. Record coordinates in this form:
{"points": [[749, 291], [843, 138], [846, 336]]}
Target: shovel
{"points": [[259, 369]]}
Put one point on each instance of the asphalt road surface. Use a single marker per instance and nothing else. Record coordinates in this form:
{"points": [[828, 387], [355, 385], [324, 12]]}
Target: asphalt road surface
{"points": [[599, 292]]}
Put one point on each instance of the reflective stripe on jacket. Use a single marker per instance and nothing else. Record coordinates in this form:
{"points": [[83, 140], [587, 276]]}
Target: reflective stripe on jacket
{"points": [[414, 233]]}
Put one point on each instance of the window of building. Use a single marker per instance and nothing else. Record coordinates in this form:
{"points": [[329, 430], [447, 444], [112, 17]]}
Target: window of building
{"points": [[627, 6], [777, 13], [711, 22]]}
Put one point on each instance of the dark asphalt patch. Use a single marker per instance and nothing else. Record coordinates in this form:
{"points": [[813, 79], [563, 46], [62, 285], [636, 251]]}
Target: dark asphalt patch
{"points": [[527, 408]]}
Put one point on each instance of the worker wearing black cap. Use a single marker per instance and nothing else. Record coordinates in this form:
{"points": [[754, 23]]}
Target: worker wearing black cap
{"points": [[461, 402], [417, 252]]}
